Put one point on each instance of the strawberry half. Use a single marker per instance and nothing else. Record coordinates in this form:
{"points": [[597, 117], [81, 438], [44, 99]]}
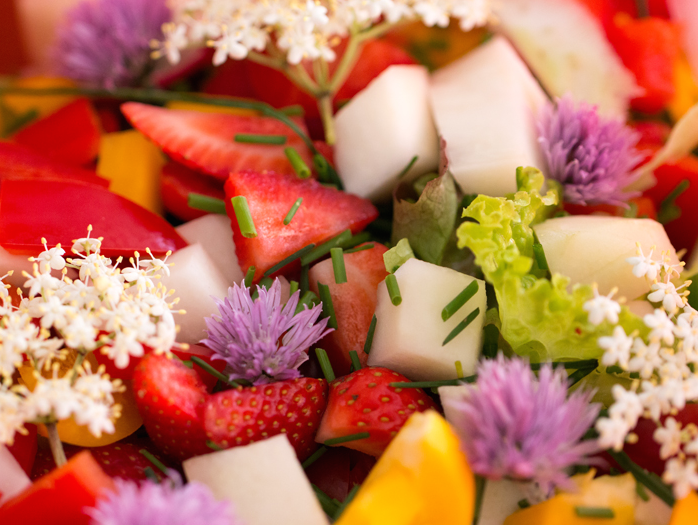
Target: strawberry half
{"points": [[244, 415], [324, 213], [364, 401], [206, 141]]}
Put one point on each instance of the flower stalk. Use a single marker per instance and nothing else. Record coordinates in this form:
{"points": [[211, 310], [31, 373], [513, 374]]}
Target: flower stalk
{"points": [[54, 442]]}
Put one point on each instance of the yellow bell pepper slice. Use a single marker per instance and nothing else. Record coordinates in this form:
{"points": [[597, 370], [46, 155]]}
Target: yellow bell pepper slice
{"points": [[685, 510], [686, 95]]}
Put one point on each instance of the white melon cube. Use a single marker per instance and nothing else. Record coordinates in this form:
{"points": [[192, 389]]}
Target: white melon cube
{"points": [[593, 249], [409, 337], [264, 480], [567, 49], [652, 512], [195, 280], [215, 235], [13, 479], [485, 107], [382, 129]]}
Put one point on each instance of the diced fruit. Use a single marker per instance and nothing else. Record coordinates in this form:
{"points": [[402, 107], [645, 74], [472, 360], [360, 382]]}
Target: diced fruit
{"points": [[501, 498], [568, 242], [24, 448], [654, 511], [685, 510], [338, 470], [21, 227], [614, 492], [245, 415], [389, 123], [422, 478], [61, 497], [365, 401], [132, 164], [206, 141], [13, 478], [69, 135], [264, 480], [178, 181], [485, 107], [21, 104], [215, 235], [324, 213], [354, 303], [409, 338]]}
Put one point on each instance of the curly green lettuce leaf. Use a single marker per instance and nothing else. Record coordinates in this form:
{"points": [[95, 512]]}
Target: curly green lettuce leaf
{"points": [[541, 318]]}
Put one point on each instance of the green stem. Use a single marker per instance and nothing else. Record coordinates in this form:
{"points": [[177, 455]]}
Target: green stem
{"points": [[78, 361], [324, 104], [265, 60], [56, 445]]}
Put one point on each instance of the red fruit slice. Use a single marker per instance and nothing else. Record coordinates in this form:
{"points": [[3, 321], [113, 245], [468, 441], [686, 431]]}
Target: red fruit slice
{"points": [[244, 415], [61, 211], [69, 135], [24, 448], [338, 470], [206, 141], [364, 401], [178, 181], [354, 303], [324, 213]]}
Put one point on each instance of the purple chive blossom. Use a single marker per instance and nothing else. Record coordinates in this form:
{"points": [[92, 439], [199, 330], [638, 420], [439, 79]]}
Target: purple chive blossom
{"points": [[262, 340], [106, 43], [516, 426], [169, 503], [590, 156]]}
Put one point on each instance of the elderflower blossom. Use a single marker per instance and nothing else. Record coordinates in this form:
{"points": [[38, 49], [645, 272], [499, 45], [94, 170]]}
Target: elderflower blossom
{"points": [[300, 29]]}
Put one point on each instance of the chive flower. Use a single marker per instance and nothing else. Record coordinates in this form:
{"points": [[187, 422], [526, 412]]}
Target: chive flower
{"points": [[514, 425], [590, 156], [262, 340]]}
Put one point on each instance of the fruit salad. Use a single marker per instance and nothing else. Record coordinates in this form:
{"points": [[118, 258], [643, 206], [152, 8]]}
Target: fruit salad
{"points": [[377, 262]]}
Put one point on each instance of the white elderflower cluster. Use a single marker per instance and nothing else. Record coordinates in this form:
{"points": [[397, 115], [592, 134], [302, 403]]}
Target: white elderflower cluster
{"points": [[120, 312], [299, 29]]}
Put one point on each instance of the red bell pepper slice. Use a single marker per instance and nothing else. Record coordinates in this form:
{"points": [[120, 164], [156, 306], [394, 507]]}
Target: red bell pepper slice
{"points": [[178, 181], [60, 497], [61, 211]]}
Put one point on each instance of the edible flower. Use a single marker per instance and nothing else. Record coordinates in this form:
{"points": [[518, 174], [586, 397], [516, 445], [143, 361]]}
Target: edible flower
{"points": [[262, 340]]}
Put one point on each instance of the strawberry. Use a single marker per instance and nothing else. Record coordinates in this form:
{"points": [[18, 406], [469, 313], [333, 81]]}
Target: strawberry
{"points": [[324, 213], [177, 182], [206, 141], [364, 401], [244, 415]]}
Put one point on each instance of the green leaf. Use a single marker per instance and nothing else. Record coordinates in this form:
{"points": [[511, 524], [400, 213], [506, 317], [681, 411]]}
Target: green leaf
{"points": [[397, 255], [428, 223]]}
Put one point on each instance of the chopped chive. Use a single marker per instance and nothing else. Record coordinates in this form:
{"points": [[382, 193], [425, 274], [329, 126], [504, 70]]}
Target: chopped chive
{"points": [[322, 167], [360, 248], [523, 503], [288, 260], [304, 283], [206, 203], [459, 369], [408, 167], [330, 185], [393, 289], [490, 346], [297, 163], [357, 239], [652, 482], [325, 247], [293, 287], [569, 365], [354, 356], [252, 138], [213, 446], [296, 110], [249, 276], [215, 373], [641, 492], [306, 299], [155, 461], [577, 376], [329, 506], [243, 216], [314, 457], [325, 364], [327, 306], [347, 501], [369, 336], [150, 474], [595, 512], [346, 439], [292, 211], [460, 299], [265, 282], [340, 271], [434, 384], [539, 255], [188, 363], [461, 326], [668, 210]]}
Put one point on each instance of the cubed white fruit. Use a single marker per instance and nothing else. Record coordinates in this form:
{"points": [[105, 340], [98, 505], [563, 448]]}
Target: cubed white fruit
{"points": [[485, 107], [382, 129], [652, 512], [409, 337], [593, 249], [13, 480], [195, 280], [568, 51], [214, 234], [264, 480]]}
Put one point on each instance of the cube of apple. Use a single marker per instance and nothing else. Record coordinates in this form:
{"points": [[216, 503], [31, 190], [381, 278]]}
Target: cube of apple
{"points": [[652, 512], [409, 338], [264, 480], [13, 479], [485, 107], [215, 235], [195, 280], [382, 129], [593, 249]]}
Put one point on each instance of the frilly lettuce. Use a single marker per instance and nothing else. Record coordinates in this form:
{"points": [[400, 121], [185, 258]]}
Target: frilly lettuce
{"points": [[539, 317]]}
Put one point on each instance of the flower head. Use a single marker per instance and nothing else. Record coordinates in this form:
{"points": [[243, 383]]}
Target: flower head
{"points": [[261, 339], [590, 156], [514, 425], [106, 43]]}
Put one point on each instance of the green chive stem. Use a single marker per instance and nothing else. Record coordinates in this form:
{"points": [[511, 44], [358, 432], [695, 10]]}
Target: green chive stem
{"points": [[357, 239], [329, 506], [327, 306], [292, 211], [407, 168], [490, 345], [324, 248], [213, 446], [321, 166], [215, 373], [360, 248], [346, 501], [569, 365], [206, 203], [252, 138], [459, 300], [434, 384], [340, 271], [314, 457], [346, 439], [325, 364], [393, 289], [297, 163], [155, 461], [354, 356], [653, 483], [288, 260], [249, 276], [150, 474], [461, 326], [304, 282], [306, 299], [539, 254], [293, 288], [594, 512], [296, 110], [244, 217], [369, 337]]}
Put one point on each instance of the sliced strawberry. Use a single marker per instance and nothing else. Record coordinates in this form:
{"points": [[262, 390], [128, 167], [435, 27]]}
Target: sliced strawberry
{"points": [[324, 213], [354, 303], [170, 398], [244, 415], [178, 181], [338, 470], [364, 401], [206, 141], [69, 135]]}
